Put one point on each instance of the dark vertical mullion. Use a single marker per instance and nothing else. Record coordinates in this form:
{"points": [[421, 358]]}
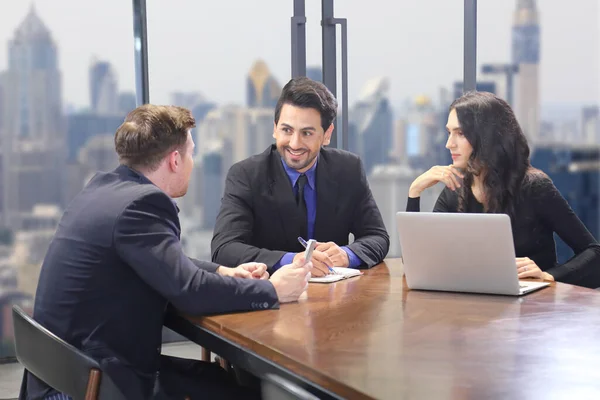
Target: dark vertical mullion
{"points": [[140, 44], [299, 39], [329, 54], [470, 46]]}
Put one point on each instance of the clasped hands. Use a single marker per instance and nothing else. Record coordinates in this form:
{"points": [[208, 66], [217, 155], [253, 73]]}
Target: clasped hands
{"points": [[289, 281], [251, 270]]}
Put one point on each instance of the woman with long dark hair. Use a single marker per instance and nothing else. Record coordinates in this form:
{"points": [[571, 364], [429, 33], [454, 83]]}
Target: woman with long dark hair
{"points": [[491, 173]]}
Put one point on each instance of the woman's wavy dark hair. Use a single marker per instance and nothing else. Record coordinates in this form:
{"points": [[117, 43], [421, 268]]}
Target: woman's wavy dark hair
{"points": [[500, 150]]}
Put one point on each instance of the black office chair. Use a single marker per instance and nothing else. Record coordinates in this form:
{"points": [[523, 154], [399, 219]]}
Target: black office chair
{"points": [[276, 388], [59, 364]]}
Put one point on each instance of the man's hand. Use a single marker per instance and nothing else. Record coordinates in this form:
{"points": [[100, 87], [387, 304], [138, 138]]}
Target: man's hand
{"points": [[250, 270], [291, 280], [320, 261], [337, 255]]}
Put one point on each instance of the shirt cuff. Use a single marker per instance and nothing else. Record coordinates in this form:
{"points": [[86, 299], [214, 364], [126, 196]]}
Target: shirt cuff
{"points": [[413, 204], [287, 258], [353, 259]]}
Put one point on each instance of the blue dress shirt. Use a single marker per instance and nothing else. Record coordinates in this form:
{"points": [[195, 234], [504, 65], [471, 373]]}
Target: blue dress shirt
{"points": [[310, 197]]}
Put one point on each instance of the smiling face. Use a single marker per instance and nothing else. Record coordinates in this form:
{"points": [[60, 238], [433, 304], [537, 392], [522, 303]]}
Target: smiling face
{"points": [[299, 136], [457, 143]]}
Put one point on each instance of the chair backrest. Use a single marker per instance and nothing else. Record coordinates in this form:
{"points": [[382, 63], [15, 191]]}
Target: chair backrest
{"points": [[57, 363], [276, 388]]}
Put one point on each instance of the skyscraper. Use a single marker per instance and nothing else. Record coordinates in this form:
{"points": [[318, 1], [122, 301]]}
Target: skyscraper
{"points": [[212, 179], [126, 102], [104, 97], [262, 89], [590, 125], [526, 54], [425, 139], [372, 121], [480, 86], [31, 125]]}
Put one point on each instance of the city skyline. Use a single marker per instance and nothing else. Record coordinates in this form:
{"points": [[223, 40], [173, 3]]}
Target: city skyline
{"points": [[441, 60]]}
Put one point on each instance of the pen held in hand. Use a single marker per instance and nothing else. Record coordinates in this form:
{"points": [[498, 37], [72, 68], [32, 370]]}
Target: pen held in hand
{"points": [[304, 244]]}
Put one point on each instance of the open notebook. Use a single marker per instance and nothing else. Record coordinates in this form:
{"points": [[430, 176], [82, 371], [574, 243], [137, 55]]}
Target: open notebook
{"points": [[342, 273]]}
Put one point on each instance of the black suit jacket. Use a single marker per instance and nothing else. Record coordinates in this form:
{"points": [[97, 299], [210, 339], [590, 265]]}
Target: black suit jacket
{"points": [[259, 220], [112, 268]]}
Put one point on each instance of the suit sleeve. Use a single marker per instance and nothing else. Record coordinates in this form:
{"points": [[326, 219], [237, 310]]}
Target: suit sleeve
{"points": [[145, 237], [232, 235], [205, 265], [371, 240]]}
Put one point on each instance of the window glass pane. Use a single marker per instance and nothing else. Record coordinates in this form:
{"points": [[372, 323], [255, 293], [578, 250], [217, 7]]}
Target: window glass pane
{"points": [[546, 65], [226, 61], [66, 83], [404, 61]]}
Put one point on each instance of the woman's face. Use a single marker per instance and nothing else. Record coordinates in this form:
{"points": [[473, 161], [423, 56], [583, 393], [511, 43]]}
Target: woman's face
{"points": [[457, 143]]}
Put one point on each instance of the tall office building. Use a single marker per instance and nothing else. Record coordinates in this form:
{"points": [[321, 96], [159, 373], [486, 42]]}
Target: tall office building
{"points": [[259, 129], [212, 181], [187, 99], [197, 103], [526, 54], [225, 123], [372, 121], [505, 85], [190, 205], [262, 89], [575, 173], [3, 151], [31, 125], [99, 154], [104, 93], [590, 125], [425, 137], [398, 153], [31, 245], [126, 102], [480, 86], [84, 126], [248, 131]]}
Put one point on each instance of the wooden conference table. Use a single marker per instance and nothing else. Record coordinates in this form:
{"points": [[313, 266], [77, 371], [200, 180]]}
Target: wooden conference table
{"points": [[372, 338]]}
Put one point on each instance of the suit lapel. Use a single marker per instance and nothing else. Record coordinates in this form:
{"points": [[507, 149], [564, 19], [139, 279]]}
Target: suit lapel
{"points": [[281, 192], [327, 197]]}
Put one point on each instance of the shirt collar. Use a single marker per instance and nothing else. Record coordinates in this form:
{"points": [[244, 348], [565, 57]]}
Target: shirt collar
{"points": [[143, 179], [294, 175]]}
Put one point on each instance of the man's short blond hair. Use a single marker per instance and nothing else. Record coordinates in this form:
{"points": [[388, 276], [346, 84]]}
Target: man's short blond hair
{"points": [[150, 132]]}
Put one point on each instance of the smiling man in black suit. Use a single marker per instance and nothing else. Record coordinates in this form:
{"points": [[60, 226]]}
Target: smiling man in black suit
{"points": [[299, 188]]}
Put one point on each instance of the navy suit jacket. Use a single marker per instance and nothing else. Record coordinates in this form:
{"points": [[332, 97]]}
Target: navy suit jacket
{"points": [[113, 267], [260, 221]]}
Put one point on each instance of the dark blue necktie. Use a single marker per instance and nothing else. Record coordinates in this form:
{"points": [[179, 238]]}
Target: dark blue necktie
{"points": [[302, 180]]}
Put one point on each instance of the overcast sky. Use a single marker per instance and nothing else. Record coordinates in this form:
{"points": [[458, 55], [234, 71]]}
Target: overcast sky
{"points": [[209, 45]]}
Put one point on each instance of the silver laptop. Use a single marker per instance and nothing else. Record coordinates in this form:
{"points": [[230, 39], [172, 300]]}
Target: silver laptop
{"points": [[460, 252]]}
